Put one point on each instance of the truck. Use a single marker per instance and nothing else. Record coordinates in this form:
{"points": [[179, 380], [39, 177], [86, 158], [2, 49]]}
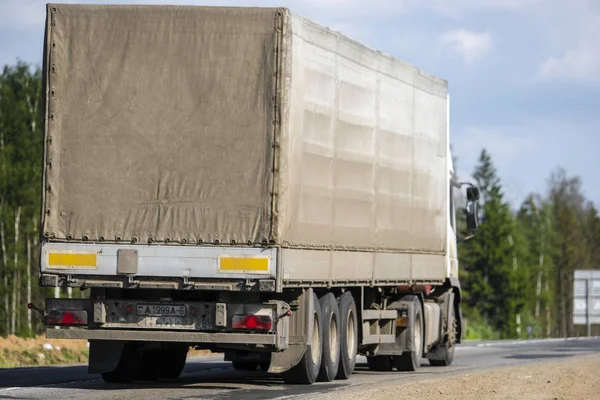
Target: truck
{"points": [[247, 181]]}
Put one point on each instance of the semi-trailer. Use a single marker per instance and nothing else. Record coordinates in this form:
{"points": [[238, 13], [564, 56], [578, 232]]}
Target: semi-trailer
{"points": [[247, 181]]}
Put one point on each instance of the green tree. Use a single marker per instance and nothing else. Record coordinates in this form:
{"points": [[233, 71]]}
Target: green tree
{"points": [[592, 233], [493, 277], [20, 183], [535, 221], [572, 248], [474, 275]]}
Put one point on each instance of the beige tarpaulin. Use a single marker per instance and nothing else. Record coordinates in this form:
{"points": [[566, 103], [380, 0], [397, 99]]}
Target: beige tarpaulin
{"points": [[161, 120], [163, 127], [364, 149]]}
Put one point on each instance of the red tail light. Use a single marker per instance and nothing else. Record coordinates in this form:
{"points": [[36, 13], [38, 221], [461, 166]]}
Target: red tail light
{"points": [[58, 317], [253, 322]]}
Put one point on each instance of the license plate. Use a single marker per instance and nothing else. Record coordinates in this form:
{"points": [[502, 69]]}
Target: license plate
{"points": [[161, 310]]}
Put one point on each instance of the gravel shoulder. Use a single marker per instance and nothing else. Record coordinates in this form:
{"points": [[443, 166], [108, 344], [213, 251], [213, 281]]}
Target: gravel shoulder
{"points": [[571, 378]]}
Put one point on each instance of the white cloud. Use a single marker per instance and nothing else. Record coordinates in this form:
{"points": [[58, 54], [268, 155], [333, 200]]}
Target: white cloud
{"points": [[508, 147], [25, 14], [453, 8], [471, 46], [525, 154], [571, 31], [505, 144], [351, 9], [22, 15], [459, 8], [580, 65]]}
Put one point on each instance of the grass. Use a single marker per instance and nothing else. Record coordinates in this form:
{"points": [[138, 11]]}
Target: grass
{"points": [[38, 351], [40, 357], [481, 331]]}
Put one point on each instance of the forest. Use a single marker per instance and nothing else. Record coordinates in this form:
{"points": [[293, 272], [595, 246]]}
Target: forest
{"points": [[516, 271]]}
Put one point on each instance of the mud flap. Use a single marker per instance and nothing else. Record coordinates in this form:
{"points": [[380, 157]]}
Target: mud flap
{"points": [[460, 333], [455, 284], [104, 355], [403, 340], [300, 329], [438, 352]]}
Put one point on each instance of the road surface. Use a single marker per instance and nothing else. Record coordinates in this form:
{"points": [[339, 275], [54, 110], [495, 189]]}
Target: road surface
{"points": [[212, 378]]}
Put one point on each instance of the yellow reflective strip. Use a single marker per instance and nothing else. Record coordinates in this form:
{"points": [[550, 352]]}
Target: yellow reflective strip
{"points": [[242, 264], [72, 259]]}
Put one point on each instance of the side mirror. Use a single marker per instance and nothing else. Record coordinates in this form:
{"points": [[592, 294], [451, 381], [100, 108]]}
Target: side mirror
{"points": [[471, 211], [472, 194]]}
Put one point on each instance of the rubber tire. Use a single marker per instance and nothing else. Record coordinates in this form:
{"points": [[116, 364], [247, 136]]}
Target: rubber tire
{"points": [[447, 348], [265, 363], [127, 369], [149, 369], [380, 363], [245, 365], [329, 363], [347, 308], [411, 360], [447, 361], [306, 371], [172, 362], [264, 366]]}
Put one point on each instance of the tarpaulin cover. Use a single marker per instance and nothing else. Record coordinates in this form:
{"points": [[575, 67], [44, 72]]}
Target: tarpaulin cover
{"points": [[160, 121], [168, 123], [364, 159]]}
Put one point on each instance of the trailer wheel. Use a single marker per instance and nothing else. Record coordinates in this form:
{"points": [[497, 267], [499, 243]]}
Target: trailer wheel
{"points": [[172, 362], [128, 368], [380, 363], [245, 365], [348, 335], [150, 364], [265, 362], [330, 360], [307, 370], [448, 357], [447, 349], [264, 366], [411, 360]]}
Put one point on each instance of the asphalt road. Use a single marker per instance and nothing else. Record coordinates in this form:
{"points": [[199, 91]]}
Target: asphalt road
{"points": [[212, 378]]}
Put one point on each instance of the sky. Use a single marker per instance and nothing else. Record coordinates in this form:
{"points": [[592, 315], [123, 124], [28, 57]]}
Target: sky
{"points": [[523, 75]]}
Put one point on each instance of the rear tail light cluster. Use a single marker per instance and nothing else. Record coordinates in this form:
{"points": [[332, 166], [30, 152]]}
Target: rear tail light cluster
{"points": [[61, 317], [253, 322]]}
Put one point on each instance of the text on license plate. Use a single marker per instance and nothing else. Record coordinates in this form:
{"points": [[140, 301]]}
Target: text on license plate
{"points": [[159, 310]]}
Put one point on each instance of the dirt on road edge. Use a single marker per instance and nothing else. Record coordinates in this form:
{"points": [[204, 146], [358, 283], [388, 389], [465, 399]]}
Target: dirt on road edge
{"points": [[571, 378]]}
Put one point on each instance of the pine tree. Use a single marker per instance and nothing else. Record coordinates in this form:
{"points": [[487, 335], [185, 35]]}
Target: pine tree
{"points": [[474, 272], [493, 279], [486, 176], [572, 251]]}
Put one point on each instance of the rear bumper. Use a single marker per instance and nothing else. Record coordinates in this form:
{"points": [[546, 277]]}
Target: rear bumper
{"points": [[158, 266], [192, 322], [163, 336]]}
